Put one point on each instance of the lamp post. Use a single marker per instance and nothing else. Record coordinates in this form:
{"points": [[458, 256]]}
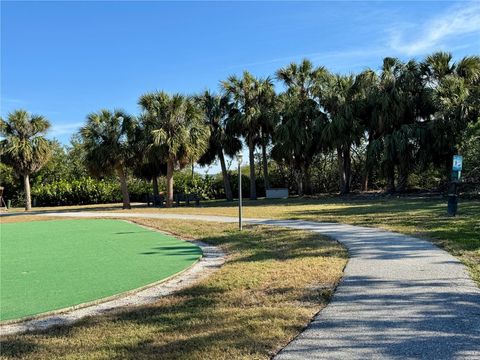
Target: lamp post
{"points": [[239, 160]]}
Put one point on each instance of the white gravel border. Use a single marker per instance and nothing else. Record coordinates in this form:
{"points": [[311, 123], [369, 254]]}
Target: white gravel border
{"points": [[213, 258]]}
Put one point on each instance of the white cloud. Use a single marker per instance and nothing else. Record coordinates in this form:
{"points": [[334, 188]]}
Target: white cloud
{"points": [[398, 39], [64, 129], [12, 101], [463, 19], [325, 58]]}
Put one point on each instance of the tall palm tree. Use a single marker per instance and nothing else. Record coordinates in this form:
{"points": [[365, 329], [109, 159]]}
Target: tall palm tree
{"points": [[268, 121], [341, 97], [245, 94], [455, 91], [108, 142], [149, 163], [217, 109], [367, 82], [178, 131], [24, 146], [297, 136], [388, 117], [417, 111], [401, 109]]}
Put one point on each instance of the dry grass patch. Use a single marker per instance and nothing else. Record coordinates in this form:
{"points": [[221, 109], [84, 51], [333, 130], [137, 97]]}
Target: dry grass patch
{"points": [[25, 218], [274, 281]]}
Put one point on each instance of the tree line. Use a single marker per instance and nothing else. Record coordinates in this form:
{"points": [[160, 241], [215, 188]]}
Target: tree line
{"points": [[406, 116]]}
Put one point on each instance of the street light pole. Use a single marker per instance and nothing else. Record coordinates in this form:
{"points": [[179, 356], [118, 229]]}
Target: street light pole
{"points": [[239, 160]]}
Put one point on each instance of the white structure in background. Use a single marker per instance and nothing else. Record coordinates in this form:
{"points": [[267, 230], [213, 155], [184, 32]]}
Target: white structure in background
{"points": [[277, 193]]}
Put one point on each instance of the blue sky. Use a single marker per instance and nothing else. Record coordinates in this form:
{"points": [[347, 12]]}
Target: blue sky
{"points": [[66, 59]]}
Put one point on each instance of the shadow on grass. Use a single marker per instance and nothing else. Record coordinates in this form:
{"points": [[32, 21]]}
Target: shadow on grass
{"points": [[16, 348], [173, 251]]}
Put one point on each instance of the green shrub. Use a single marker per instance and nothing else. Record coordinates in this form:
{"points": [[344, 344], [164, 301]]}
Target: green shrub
{"points": [[85, 191], [204, 186]]}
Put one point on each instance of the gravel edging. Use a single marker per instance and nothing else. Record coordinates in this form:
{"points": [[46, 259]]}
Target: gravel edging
{"points": [[212, 259]]}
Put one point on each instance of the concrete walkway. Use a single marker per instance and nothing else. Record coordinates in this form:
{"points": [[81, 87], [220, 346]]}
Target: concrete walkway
{"points": [[401, 297]]}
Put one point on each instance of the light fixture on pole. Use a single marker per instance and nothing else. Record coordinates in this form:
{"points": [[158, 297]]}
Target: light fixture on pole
{"points": [[239, 161]]}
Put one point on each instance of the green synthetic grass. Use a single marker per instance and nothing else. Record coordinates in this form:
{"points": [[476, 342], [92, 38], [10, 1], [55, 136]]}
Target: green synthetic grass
{"points": [[50, 265]]}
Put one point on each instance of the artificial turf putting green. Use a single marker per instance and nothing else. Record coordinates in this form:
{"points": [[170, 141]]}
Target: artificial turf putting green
{"points": [[50, 265]]}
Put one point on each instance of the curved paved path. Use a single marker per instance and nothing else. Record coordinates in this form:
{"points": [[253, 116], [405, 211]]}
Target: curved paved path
{"points": [[400, 298]]}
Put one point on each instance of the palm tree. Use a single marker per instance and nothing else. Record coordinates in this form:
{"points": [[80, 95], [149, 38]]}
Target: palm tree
{"points": [[417, 111], [178, 131], [108, 142], [297, 136], [367, 83], [245, 94], [455, 91], [268, 121], [401, 110], [24, 146], [340, 97], [149, 164], [217, 110], [388, 117]]}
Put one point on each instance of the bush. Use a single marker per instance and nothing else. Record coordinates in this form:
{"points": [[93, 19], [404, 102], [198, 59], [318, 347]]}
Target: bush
{"points": [[86, 191], [245, 185], [204, 186]]}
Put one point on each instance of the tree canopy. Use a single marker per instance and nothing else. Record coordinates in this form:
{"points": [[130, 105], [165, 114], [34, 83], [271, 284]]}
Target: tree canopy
{"points": [[310, 129], [24, 146]]}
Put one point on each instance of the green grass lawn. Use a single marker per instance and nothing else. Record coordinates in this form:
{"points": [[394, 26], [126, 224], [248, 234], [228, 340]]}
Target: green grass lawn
{"points": [[50, 265], [273, 282]]}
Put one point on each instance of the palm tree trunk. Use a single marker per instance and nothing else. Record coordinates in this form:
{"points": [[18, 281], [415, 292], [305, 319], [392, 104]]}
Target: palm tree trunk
{"points": [[341, 169], [123, 185], [169, 201], [390, 175], [226, 180], [366, 179], [367, 173], [347, 170], [403, 173], [402, 180], [308, 181], [251, 155], [367, 170], [155, 186], [299, 175], [28, 199], [265, 165]]}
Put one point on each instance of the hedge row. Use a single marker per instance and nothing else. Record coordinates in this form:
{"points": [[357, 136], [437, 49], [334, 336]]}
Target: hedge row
{"points": [[85, 191]]}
